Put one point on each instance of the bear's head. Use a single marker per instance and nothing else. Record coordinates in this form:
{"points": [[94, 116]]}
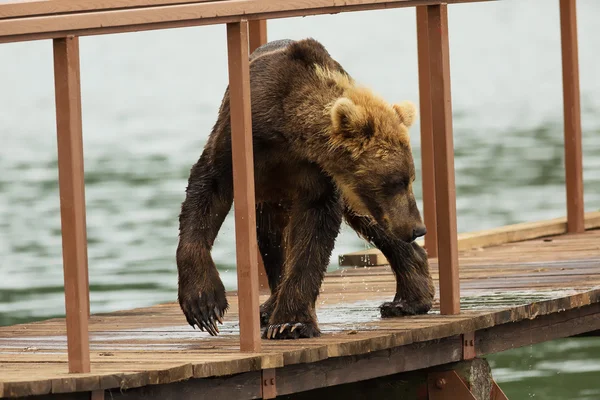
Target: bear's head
{"points": [[374, 166]]}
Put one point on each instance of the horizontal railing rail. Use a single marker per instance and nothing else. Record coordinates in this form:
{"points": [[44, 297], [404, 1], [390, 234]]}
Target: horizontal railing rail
{"points": [[33, 23]]}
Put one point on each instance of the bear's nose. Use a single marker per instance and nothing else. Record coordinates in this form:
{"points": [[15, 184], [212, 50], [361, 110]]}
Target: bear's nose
{"points": [[419, 231]]}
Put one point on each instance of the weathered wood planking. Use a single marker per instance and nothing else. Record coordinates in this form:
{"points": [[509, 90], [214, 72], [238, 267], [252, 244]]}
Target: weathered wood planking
{"points": [[485, 238], [30, 8], [154, 345]]}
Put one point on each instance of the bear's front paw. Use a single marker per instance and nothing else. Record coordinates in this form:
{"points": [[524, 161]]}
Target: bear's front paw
{"points": [[400, 308], [204, 307], [266, 309], [292, 330]]}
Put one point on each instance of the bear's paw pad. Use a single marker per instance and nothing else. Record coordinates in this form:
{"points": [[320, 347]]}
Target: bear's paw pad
{"points": [[291, 330]]}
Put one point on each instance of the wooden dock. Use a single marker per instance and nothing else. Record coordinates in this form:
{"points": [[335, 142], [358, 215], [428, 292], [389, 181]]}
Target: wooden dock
{"points": [[493, 294], [513, 294]]}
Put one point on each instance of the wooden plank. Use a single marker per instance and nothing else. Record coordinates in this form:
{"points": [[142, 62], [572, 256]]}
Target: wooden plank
{"points": [[242, 386], [341, 370], [541, 329], [409, 385], [72, 199], [572, 116], [485, 238], [127, 352], [427, 159], [180, 15], [445, 189], [27, 8], [243, 186]]}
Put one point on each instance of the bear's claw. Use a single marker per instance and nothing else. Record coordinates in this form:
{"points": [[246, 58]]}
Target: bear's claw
{"points": [[208, 322], [290, 331], [205, 312]]}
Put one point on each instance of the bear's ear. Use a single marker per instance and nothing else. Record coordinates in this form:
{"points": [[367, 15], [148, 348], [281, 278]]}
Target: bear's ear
{"points": [[350, 120], [407, 112]]}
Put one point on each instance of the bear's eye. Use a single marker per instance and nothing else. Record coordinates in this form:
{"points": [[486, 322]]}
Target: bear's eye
{"points": [[394, 186]]}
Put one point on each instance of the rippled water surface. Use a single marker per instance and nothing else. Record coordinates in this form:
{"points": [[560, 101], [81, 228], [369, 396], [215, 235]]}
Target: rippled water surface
{"points": [[149, 102]]}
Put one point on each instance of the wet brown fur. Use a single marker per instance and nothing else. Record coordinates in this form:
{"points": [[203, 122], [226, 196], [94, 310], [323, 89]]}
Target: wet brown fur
{"points": [[325, 149]]}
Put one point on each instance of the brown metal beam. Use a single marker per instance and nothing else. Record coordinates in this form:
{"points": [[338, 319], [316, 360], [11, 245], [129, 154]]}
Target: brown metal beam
{"points": [[497, 393], [572, 116], [427, 161], [72, 200], [243, 186], [445, 190], [447, 385]]}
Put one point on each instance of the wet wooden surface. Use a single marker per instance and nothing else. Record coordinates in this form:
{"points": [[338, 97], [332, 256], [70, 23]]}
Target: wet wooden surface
{"points": [[506, 283]]}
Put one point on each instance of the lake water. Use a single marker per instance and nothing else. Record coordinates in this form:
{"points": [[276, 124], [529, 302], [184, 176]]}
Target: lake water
{"points": [[151, 98]]}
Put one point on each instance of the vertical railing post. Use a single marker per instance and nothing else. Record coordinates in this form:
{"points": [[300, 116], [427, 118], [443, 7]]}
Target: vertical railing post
{"points": [[572, 117], [257, 30], [427, 161], [72, 200], [445, 190], [243, 185], [258, 33]]}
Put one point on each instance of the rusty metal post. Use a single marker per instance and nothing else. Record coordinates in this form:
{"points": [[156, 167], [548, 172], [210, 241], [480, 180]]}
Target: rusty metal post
{"points": [[72, 200], [447, 385], [427, 165], [497, 393], [572, 117], [445, 190], [243, 185]]}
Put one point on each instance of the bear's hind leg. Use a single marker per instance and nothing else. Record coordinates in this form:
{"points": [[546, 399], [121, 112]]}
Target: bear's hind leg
{"points": [[209, 196], [313, 228], [414, 285], [271, 222]]}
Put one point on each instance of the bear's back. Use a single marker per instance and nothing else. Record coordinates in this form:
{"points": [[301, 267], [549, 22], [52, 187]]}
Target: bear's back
{"points": [[271, 46]]}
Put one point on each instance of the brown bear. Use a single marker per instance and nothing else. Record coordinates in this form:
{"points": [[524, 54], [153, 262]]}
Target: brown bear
{"points": [[325, 149]]}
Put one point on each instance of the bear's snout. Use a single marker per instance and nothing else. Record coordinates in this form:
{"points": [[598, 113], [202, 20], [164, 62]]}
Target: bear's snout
{"points": [[419, 231]]}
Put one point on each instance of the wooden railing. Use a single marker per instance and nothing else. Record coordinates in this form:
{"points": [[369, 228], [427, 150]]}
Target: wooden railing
{"points": [[65, 20]]}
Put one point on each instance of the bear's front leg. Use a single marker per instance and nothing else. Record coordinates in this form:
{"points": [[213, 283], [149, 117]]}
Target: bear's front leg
{"points": [[414, 284], [311, 234], [209, 196]]}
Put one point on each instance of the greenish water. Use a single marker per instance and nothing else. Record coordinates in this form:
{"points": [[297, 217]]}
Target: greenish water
{"points": [[561, 369], [149, 102]]}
